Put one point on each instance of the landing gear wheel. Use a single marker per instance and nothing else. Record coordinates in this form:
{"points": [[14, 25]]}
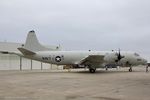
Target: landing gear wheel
{"points": [[106, 68], [130, 69], [92, 70]]}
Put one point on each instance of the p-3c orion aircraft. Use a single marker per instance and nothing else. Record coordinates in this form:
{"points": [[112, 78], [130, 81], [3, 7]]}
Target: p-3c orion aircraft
{"points": [[32, 49]]}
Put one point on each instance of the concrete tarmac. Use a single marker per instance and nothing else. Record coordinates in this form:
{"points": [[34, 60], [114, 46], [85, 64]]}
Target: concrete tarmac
{"points": [[75, 85]]}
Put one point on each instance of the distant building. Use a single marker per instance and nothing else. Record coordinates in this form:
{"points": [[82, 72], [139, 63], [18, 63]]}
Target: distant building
{"points": [[12, 62]]}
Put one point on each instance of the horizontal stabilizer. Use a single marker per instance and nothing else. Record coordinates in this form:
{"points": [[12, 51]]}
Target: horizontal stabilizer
{"points": [[26, 52], [4, 52], [12, 52]]}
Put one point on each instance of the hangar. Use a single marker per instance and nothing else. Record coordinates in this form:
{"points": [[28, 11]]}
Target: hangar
{"points": [[14, 62]]}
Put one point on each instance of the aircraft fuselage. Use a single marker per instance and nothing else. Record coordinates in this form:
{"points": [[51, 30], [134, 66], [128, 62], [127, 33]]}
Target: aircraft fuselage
{"points": [[74, 57]]}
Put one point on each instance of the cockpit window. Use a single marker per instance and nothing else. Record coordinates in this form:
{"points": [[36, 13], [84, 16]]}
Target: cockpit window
{"points": [[136, 54], [139, 59]]}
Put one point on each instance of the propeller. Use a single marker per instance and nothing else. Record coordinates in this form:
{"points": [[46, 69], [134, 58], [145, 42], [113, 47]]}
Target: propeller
{"points": [[119, 56]]}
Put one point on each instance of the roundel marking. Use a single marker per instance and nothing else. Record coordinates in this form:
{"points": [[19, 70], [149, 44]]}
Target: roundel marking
{"points": [[58, 59]]}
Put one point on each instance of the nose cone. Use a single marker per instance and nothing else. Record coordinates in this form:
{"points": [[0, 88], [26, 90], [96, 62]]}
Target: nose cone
{"points": [[145, 61], [142, 61]]}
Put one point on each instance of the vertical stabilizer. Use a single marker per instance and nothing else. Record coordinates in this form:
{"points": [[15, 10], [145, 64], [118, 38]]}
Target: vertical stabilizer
{"points": [[33, 44]]}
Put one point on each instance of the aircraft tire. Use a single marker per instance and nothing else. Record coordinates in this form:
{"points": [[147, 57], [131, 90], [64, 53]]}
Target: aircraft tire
{"points": [[92, 70], [130, 70]]}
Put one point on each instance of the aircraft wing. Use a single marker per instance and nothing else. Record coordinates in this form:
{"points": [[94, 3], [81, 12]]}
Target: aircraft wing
{"points": [[92, 60]]}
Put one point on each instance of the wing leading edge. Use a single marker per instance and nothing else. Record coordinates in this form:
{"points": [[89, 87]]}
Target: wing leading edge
{"points": [[92, 60]]}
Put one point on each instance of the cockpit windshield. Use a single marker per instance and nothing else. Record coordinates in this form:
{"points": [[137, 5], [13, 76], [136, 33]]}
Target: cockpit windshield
{"points": [[136, 54]]}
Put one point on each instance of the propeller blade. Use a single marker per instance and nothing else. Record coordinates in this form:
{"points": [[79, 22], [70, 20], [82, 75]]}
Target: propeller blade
{"points": [[119, 56]]}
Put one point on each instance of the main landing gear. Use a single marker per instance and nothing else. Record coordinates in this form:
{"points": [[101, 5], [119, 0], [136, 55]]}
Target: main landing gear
{"points": [[92, 70], [130, 69]]}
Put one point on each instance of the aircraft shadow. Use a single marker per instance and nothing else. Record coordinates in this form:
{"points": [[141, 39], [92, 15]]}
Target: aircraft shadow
{"points": [[83, 72]]}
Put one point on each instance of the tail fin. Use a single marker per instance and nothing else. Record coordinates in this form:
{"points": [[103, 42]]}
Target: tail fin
{"points": [[33, 44]]}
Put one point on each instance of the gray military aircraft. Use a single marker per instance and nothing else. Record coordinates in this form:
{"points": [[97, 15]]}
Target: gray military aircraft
{"points": [[32, 49]]}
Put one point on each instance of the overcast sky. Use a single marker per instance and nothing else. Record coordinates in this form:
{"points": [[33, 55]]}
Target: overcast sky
{"points": [[79, 24]]}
